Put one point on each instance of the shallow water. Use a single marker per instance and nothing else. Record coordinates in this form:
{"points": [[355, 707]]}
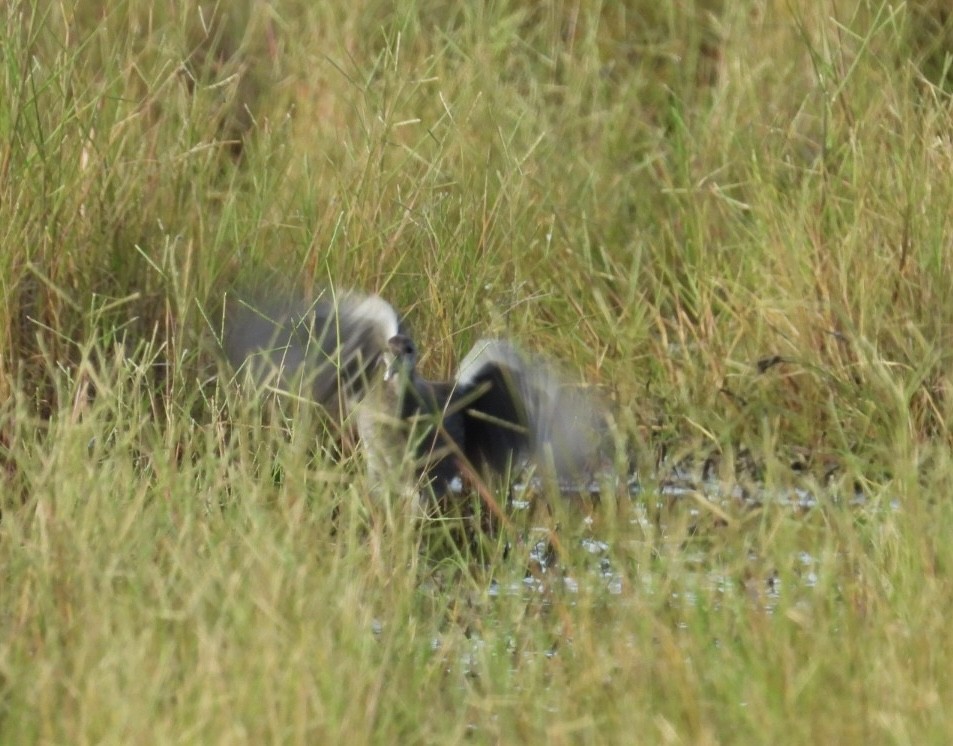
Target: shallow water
{"points": [[681, 495], [665, 543]]}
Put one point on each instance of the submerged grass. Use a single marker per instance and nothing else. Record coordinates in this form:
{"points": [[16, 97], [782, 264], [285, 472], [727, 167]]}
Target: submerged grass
{"points": [[732, 217]]}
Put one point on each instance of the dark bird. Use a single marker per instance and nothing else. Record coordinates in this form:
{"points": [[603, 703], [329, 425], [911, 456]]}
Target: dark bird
{"points": [[504, 410]]}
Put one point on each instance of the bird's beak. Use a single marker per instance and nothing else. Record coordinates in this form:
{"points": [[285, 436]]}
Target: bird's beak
{"points": [[389, 370], [391, 365]]}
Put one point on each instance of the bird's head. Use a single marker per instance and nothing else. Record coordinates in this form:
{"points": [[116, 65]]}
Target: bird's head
{"points": [[400, 358]]}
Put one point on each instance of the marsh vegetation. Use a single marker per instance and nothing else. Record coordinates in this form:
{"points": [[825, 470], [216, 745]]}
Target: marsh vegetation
{"points": [[732, 218]]}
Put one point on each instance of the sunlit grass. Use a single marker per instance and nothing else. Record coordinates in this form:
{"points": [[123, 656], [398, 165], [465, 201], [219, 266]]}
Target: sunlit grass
{"points": [[732, 218]]}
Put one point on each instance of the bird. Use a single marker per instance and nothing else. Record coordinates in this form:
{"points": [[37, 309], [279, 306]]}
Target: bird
{"points": [[351, 353]]}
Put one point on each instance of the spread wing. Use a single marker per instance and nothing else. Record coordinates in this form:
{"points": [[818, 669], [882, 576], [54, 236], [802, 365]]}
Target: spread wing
{"points": [[325, 349], [517, 407]]}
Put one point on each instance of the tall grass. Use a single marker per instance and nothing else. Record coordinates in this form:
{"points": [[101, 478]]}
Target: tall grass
{"points": [[732, 217]]}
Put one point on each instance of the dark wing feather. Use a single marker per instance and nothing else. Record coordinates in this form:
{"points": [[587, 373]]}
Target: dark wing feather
{"points": [[517, 407], [492, 406]]}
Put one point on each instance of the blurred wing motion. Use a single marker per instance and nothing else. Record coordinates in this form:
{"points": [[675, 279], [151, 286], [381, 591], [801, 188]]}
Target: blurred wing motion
{"points": [[325, 350], [516, 407], [349, 354]]}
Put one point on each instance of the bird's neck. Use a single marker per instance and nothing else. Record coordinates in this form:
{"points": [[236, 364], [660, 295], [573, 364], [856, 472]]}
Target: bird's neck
{"points": [[412, 393]]}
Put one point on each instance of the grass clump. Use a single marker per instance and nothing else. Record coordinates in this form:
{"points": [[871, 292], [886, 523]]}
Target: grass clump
{"points": [[734, 218]]}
